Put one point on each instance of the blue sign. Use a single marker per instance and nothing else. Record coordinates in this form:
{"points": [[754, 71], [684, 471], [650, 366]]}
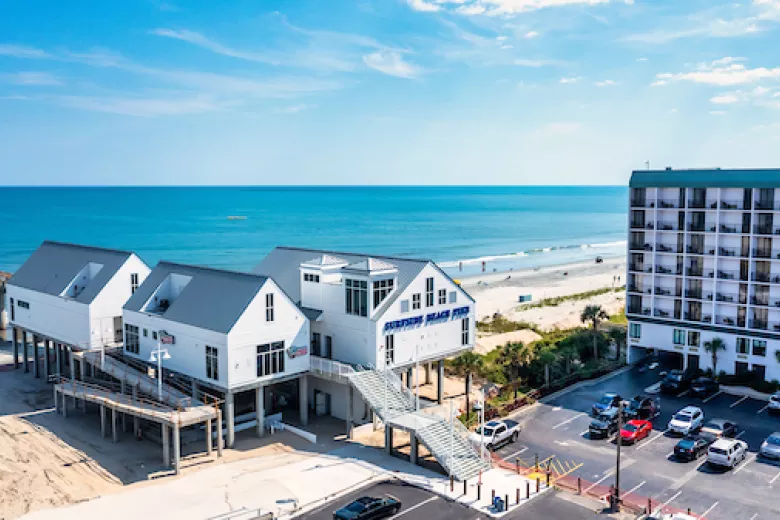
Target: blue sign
{"points": [[429, 319]]}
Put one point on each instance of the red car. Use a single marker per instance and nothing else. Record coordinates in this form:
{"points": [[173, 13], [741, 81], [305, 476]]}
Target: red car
{"points": [[635, 430]]}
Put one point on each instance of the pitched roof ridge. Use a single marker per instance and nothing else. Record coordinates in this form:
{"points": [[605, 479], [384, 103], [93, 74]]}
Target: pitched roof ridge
{"points": [[366, 255], [214, 269], [85, 246]]}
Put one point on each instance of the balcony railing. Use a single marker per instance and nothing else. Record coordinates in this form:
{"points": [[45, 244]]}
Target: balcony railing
{"points": [[661, 313], [665, 226], [728, 204], [635, 289], [700, 228], [637, 310], [637, 268], [766, 230], [727, 275], [642, 203], [727, 229], [636, 246], [667, 204], [635, 224], [666, 270], [727, 251], [765, 277], [691, 250], [726, 320], [731, 298], [663, 248], [692, 271], [697, 204], [764, 204], [764, 301], [759, 324]]}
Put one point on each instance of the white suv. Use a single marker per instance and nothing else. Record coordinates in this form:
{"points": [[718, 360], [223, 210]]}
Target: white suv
{"points": [[727, 452], [687, 420], [774, 402]]}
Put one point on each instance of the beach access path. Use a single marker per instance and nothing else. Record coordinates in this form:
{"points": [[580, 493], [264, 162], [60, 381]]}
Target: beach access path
{"points": [[499, 292]]}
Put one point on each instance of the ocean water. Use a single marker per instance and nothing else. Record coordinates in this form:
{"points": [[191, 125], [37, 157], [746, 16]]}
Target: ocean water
{"points": [[458, 227]]}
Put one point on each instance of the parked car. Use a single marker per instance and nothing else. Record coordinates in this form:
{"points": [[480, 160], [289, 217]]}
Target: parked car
{"points": [[642, 407], [687, 420], [717, 428], [770, 448], [496, 433], [691, 447], [677, 381], [368, 508], [704, 387], [635, 430], [774, 403], [609, 401], [727, 453], [604, 425]]}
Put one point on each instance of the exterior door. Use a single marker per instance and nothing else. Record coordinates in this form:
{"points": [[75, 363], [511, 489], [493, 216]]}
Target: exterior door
{"points": [[693, 362]]}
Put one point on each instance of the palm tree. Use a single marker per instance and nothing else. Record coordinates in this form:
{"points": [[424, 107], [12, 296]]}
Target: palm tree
{"points": [[714, 346], [465, 365], [594, 314], [546, 357], [618, 335], [515, 356]]}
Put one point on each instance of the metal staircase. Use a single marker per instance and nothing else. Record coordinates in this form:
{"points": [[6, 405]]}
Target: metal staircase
{"points": [[446, 438]]}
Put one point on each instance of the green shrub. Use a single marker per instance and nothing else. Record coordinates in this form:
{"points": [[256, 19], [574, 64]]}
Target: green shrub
{"points": [[554, 302]]}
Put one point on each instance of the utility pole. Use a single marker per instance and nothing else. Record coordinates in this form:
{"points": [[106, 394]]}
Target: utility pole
{"points": [[619, 440]]}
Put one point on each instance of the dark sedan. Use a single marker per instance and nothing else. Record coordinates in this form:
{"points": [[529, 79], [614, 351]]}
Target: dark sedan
{"points": [[704, 387], [691, 447], [368, 508], [677, 381], [604, 425], [717, 428], [642, 407]]}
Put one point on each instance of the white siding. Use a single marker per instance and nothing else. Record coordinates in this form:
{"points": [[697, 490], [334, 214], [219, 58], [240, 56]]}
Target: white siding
{"points": [[56, 317]]}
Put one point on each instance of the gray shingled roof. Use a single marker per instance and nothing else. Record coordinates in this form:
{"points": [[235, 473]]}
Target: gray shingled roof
{"points": [[213, 300], [52, 267], [282, 264]]}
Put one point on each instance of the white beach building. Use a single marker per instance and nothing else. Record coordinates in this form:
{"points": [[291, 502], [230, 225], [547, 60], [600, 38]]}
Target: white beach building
{"points": [[704, 262], [232, 334], [69, 298]]}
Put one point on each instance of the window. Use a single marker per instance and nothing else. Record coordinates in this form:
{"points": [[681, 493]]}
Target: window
{"points": [[315, 343], [23, 304], [270, 358], [442, 296], [212, 363], [693, 338], [759, 347], [133, 282], [679, 337], [453, 296], [131, 338], [743, 345], [356, 297], [404, 305], [314, 278], [429, 292], [146, 333], [635, 330], [415, 301], [389, 349], [381, 289], [13, 311], [464, 331], [154, 334], [269, 307], [328, 347]]}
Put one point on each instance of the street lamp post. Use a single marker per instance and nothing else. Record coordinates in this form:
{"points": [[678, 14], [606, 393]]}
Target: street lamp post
{"points": [[157, 356], [480, 409], [619, 441]]}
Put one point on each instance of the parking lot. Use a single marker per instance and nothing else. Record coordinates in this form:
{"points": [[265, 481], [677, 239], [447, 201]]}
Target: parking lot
{"points": [[648, 469]]}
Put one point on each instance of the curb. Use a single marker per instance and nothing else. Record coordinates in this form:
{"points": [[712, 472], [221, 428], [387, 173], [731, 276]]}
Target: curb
{"points": [[588, 382]]}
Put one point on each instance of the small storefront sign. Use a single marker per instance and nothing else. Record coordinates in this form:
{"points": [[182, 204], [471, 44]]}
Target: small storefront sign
{"points": [[429, 319], [294, 352], [167, 339]]}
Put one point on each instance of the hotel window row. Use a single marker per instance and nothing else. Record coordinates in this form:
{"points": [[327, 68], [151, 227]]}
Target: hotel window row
{"points": [[417, 299]]}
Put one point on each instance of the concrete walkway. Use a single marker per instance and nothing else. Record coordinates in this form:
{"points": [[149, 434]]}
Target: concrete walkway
{"points": [[284, 485]]}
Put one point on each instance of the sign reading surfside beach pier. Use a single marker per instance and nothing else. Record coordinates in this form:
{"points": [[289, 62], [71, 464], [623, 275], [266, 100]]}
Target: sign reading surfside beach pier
{"points": [[428, 319]]}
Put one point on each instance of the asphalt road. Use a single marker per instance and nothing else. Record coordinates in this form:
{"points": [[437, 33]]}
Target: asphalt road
{"points": [[648, 469]]}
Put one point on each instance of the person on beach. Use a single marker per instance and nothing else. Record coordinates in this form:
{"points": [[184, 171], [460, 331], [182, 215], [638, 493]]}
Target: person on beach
{"points": [[460, 266], [483, 266]]}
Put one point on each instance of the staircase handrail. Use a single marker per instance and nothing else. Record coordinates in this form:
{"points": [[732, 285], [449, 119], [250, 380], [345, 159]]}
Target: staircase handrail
{"points": [[460, 430], [393, 379], [330, 366]]}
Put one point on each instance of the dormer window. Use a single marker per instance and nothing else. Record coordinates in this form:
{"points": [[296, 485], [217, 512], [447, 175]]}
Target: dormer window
{"points": [[314, 278], [356, 297], [381, 289], [166, 293], [81, 280]]}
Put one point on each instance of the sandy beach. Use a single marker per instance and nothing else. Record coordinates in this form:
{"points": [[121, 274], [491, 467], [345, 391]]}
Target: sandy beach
{"points": [[499, 292]]}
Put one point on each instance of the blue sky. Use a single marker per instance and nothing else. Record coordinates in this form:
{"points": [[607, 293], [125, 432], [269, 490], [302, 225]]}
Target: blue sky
{"points": [[384, 91]]}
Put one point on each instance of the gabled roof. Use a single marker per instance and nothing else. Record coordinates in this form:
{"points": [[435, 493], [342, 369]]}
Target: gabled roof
{"points": [[705, 178], [213, 300], [371, 265], [52, 267]]}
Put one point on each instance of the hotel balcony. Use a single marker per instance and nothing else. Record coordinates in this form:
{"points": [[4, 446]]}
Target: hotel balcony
{"points": [[766, 230], [759, 324], [697, 204], [637, 310], [661, 313], [663, 248], [728, 204], [727, 251], [691, 250], [763, 301], [700, 273], [662, 291], [638, 224], [765, 253], [639, 268], [667, 270], [729, 321], [730, 298], [637, 289], [766, 205], [667, 204], [699, 228], [699, 319], [637, 246], [728, 229], [727, 275], [765, 277], [642, 203], [698, 295], [666, 226]]}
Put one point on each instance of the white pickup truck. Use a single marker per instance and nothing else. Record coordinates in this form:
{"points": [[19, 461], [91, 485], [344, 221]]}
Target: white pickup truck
{"points": [[496, 433]]}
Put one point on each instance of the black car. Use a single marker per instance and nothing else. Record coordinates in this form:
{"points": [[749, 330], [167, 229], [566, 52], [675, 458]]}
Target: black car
{"points": [[677, 381], [704, 387], [604, 425], [642, 407], [368, 508], [691, 447], [716, 428], [608, 401]]}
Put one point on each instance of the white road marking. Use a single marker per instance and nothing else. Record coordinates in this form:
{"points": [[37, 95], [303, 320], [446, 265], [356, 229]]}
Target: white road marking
{"points": [[713, 396], [774, 479], [584, 432], [670, 454], [647, 443], [635, 488], [599, 481], [737, 436], [761, 410], [708, 511], [562, 443], [557, 409], [567, 421], [683, 394], [667, 502], [518, 452], [745, 463], [414, 507], [741, 399], [754, 516]]}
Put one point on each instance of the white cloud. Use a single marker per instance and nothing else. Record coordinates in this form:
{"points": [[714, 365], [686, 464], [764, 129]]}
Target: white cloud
{"points": [[520, 62], [22, 51], [506, 47], [723, 72], [569, 80], [393, 64], [531, 34], [606, 83], [140, 107], [294, 109], [471, 9], [659, 83], [641, 59], [717, 112], [673, 110], [32, 79], [725, 99], [500, 38], [422, 5]]}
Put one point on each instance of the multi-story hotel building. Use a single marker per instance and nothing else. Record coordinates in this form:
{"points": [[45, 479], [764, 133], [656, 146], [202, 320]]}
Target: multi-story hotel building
{"points": [[704, 262]]}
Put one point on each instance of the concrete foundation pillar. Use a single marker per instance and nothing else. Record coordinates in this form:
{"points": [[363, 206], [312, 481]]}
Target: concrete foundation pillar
{"points": [[427, 373], [56, 400], [440, 381], [388, 439], [303, 399], [220, 443], [209, 438], [413, 448], [58, 358], [166, 442], [350, 412], [26, 357], [375, 420], [83, 368], [102, 421], [176, 448], [64, 404], [260, 410], [47, 359], [136, 419], [16, 346], [230, 419], [195, 392], [36, 357], [122, 386], [409, 378], [114, 429]]}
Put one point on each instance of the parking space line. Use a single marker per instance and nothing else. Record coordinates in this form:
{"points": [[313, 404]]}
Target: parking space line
{"points": [[671, 499], [741, 432], [651, 440], [518, 452], [567, 421], [414, 507], [713, 396], [761, 410], [683, 394], [708, 511], [599, 481], [755, 515], [635, 488], [741, 399], [774, 479], [584, 432], [746, 462]]}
